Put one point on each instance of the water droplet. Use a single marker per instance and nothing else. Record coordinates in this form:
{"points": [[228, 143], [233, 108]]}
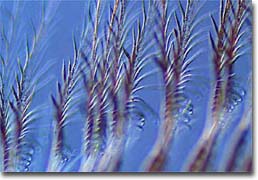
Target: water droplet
{"points": [[236, 98], [141, 123], [22, 168], [242, 92], [27, 163], [26, 169], [66, 155], [26, 156], [190, 109], [23, 165], [231, 108], [239, 99], [64, 159], [186, 120]]}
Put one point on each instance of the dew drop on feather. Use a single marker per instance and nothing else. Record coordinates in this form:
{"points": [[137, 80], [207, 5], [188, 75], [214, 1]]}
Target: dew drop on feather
{"points": [[28, 163], [190, 109], [186, 119], [239, 99], [141, 123], [236, 97], [64, 159], [67, 154], [242, 92], [235, 103], [26, 156], [23, 165], [26, 169], [231, 108]]}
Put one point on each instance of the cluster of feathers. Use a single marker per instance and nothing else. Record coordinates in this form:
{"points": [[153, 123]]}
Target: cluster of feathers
{"points": [[106, 76]]}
